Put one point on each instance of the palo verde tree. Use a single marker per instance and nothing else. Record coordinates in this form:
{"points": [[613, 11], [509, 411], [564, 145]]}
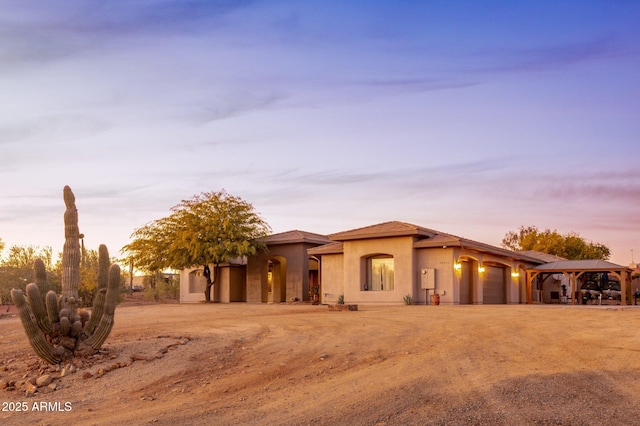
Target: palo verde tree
{"points": [[209, 229], [569, 246]]}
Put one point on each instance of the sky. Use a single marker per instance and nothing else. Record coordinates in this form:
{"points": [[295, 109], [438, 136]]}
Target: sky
{"points": [[469, 117]]}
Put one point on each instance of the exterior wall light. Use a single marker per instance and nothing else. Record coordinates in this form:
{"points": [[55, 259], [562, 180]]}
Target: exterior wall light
{"points": [[481, 269], [457, 266], [515, 274]]}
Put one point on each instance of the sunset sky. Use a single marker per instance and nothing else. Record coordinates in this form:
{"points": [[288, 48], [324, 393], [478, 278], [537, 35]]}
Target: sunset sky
{"points": [[469, 117]]}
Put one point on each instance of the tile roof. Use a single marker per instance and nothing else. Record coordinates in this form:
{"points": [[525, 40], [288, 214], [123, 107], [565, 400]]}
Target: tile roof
{"points": [[545, 257], [386, 229], [429, 238], [426, 238], [295, 236], [331, 248], [447, 240]]}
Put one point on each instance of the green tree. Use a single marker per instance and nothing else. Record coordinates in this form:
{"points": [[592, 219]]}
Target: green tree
{"points": [[146, 253], [24, 256], [208, 229], [16, 271], [89, 266], [569, 246], [89, 272]]}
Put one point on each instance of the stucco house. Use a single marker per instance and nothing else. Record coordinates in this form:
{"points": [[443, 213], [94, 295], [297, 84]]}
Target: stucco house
{"points": [[383, 263], [388, 262], [285, 272]]}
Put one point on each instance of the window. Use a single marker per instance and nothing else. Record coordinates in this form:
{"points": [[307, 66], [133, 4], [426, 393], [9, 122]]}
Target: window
{"points": [[379, 273], [197, 282]]}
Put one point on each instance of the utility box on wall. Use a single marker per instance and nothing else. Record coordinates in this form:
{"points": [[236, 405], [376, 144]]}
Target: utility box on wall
{"points": [[428, 279]]}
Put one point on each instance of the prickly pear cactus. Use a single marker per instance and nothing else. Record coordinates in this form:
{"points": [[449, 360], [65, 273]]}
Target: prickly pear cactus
{"points": [[56, 329]]}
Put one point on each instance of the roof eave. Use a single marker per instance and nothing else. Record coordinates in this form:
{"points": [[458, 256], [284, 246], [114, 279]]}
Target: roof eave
{"points": [[387, 234]]}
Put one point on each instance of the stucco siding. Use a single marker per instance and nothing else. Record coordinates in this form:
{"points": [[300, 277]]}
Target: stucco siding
{"points": [[229, 288], [469, 275], [257, 279], [355, 269], [290, 279], [331, 277], [189, 293], [441, 261], [232, 286]]}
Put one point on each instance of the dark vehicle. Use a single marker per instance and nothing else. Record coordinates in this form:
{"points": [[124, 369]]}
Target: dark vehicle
{"points": [[590, 290], [611, 290]]}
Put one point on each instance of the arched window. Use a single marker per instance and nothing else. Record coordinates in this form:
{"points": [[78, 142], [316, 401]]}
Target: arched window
{"points": [[197, 282], [380, 273]]}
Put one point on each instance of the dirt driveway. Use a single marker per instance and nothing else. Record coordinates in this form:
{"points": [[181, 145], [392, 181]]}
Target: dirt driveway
{"points": [[301, 364]]}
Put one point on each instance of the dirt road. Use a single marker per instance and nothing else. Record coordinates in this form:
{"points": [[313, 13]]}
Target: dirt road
{"points": [[302, 364]]}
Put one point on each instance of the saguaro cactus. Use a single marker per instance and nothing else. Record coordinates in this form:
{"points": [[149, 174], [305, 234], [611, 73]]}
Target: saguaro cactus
{"points": [[55, 328]]}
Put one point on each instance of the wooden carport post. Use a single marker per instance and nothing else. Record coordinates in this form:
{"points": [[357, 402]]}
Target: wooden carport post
{"points": [[625, 291], [623, 287]]}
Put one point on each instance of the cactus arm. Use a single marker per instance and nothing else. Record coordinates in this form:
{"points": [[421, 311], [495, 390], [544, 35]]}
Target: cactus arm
{"points": [[40, 276], [37, 339], [73, 310], [96, 312], [76, 328], [65, 326], [84, 317], [111, 300], [52, 307], [38, 308], [103, 266], [113, 290], [98, 301]]}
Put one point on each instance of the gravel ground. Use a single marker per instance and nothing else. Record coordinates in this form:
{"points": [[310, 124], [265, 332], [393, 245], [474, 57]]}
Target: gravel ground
{"points": [[302, 364]]}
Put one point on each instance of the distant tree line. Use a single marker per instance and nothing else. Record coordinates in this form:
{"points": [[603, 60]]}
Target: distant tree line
{"points": [[16, 271], [570, 246]]}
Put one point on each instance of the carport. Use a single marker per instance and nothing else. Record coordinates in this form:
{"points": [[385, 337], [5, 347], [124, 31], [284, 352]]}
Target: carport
{"points": [[574, 269]]}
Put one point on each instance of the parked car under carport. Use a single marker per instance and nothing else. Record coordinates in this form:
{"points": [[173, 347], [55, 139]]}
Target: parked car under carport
{"points": [[611, 290]]}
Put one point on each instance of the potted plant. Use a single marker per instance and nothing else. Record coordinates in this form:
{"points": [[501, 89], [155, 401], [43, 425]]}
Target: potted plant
{"points": [[315, 294], [564, 293]]}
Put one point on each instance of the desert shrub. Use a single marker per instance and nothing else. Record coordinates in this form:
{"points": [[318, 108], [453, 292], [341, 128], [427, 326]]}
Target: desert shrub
{"points": [[408, 300], [341, 299], [5, 296], [164, 290], [157, 294]]}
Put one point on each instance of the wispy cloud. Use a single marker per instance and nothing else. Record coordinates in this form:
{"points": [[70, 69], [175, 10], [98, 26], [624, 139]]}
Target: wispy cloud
{"points": [[539, 58], [34, 33], [241, 102], [54, 127], [597, 186], [118, 16], [400, 84]]}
